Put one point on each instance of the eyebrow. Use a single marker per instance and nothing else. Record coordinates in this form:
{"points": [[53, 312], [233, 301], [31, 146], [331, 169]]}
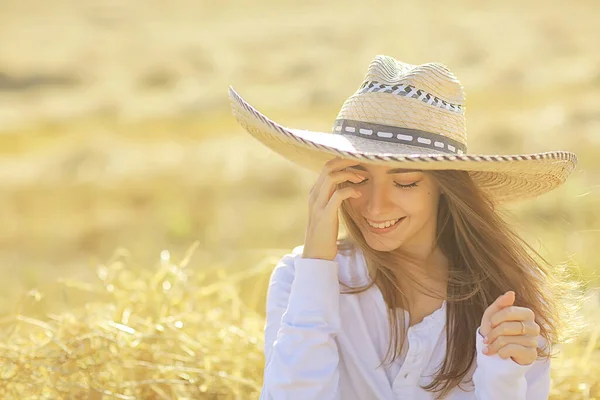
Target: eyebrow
{"points": [[391, 171]]}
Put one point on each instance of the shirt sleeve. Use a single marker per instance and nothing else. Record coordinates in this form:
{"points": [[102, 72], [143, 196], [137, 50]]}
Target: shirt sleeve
{"points": [[302, 319], [498, 378]]}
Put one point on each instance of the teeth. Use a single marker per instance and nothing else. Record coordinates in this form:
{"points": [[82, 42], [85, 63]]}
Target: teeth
{"points": [[382, 225]]}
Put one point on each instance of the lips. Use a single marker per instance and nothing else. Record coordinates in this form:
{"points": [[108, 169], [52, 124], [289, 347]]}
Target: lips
{"points": [[385, 230], [382, 225]]}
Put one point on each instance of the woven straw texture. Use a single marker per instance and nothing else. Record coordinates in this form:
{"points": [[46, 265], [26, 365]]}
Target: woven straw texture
{"points": [[506, 178], [394, 110]]}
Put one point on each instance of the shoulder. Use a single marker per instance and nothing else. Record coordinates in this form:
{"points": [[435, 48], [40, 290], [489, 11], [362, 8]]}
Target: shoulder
{"points": [[352, 268]]}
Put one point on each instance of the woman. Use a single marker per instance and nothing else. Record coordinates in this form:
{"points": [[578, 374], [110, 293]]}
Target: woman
{"points": [[431, 294]]}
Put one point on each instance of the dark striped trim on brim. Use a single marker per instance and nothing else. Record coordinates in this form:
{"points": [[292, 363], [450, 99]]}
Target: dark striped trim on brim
{"points": [[386, 133]]}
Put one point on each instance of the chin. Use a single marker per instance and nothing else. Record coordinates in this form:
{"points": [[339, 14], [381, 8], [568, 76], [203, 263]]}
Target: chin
{"points": [[380, 244]]}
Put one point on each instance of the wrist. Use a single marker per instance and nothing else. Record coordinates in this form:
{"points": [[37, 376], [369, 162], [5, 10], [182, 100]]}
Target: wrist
{"points": [[316, 257]]}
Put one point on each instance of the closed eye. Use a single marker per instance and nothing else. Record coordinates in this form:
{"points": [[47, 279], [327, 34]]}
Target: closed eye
{"points": [[410, 185], [399, 185]]}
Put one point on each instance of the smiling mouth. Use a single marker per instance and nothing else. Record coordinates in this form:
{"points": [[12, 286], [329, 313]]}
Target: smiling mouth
{"points": [[383, 227]]}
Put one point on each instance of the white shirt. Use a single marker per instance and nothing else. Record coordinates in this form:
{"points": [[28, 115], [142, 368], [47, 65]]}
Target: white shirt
{"points": [[320, 344]]}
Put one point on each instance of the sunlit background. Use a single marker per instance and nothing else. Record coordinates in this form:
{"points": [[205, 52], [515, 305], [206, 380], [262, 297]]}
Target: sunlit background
{"points": [[118, 154]]}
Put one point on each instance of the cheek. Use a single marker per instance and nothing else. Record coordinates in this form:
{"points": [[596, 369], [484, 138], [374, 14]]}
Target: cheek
{"points": [[414, 203], [420, 206], [354, 207], [354, 203]]}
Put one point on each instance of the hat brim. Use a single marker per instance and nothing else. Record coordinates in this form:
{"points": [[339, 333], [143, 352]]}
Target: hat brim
{"points": [[506, 178]]}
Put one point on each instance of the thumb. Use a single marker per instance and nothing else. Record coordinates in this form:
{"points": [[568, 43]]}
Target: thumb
{"points": [[506, 300]]}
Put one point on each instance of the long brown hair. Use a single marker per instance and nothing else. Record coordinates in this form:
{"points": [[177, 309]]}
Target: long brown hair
{"points": [[486, 258]]}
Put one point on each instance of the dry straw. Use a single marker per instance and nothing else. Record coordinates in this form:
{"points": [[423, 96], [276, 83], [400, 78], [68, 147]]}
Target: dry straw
{"points": [[179, 332], [173, 333]]}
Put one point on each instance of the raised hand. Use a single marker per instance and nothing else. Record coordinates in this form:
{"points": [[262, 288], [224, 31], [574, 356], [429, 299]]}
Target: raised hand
{"points": [[324, 201], [510, 331]]}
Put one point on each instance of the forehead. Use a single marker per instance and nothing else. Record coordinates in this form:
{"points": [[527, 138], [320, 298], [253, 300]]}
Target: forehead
{"points": [[373, 168]]}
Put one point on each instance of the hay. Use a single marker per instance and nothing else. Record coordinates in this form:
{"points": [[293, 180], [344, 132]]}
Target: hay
{"points": [[165, 334], [179, 333]]}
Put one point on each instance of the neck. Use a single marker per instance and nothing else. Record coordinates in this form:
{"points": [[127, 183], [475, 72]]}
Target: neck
{"points": [[433, 264], [433, 274], [433, 261]]}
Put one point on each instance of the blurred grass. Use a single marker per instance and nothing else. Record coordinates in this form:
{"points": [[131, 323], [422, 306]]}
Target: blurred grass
{"points": [[122, 135]]}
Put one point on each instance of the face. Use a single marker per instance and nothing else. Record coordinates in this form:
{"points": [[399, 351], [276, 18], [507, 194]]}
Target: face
{"points": [[409, 196]]}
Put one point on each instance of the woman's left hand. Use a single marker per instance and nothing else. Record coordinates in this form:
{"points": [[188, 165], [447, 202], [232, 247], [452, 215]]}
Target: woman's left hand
{"points": [[510, 331]]}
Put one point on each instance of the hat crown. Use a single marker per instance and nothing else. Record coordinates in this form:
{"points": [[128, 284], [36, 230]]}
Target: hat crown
{"points": [[420, 105], [432, 77]]}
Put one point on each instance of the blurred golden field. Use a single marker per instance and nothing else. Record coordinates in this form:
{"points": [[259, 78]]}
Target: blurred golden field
{"points": [[118, 153]]}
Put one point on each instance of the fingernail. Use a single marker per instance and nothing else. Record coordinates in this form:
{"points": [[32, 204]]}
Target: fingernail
{"points": [[485, 350], [485, 340]]}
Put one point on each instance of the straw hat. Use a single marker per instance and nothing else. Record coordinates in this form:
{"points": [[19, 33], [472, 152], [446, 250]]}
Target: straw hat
{"points": [[409, 116]]}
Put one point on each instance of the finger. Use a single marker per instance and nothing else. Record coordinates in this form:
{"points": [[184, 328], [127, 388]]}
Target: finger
{"points": [[506, 300], [333, 165], [512, 313], [512, 328], [502, 341], [521, 355], [330, 184], [338, 164], [340, 195]]}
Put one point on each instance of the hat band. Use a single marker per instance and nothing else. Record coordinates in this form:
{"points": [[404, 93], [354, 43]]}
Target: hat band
{"points": [[406, 90], [394, 134]]}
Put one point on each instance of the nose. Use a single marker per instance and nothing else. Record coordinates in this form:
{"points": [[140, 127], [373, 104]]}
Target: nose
{"points": [[379, 201]]}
